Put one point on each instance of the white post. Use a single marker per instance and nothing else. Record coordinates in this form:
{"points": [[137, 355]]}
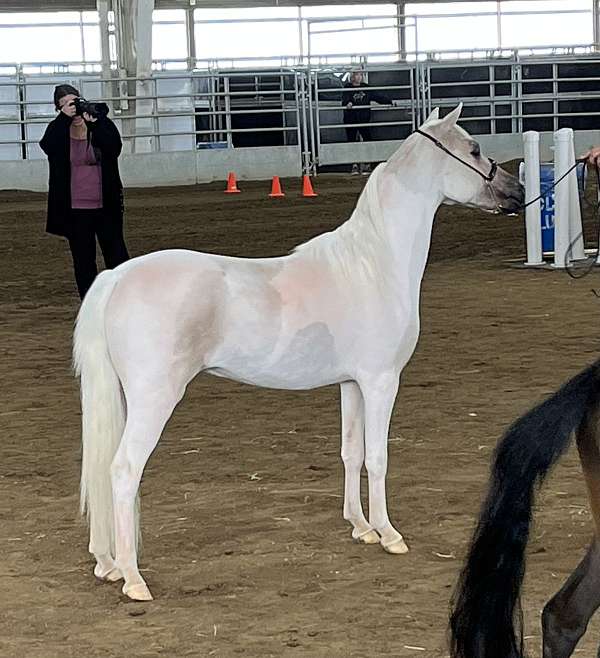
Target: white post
{"points": [[533, 226], [141, 28], [102, 6], [562, 237], [134, 31], [575, 225]]}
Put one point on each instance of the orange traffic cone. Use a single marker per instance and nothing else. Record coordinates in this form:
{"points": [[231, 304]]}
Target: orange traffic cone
{"points": [[276, 190], [232, 187], [307, 188]]}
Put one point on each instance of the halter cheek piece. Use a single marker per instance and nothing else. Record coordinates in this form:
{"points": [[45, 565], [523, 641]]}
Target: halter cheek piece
{"points": [[493, 164], [494, 169], [487, 178]]}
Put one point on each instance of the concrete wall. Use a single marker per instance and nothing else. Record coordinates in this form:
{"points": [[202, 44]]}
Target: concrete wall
{"points": [[24, 175], [176, 168], [261, 163], [500, 147]]}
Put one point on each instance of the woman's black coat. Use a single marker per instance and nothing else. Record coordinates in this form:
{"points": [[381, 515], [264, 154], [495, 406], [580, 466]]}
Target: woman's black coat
{"points": [[56, 145]]}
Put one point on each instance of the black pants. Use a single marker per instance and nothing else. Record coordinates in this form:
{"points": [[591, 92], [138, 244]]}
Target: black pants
{"points": [[352, 133], [86, 225]]}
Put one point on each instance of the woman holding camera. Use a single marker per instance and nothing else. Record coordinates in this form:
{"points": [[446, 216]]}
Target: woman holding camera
{"points": [[85, 197]]}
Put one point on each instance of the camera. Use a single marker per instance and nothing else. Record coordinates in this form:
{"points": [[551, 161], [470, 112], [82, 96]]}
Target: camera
{"points": [[95, 110]]}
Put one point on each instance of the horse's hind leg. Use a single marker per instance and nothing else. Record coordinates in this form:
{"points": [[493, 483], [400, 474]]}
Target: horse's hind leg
{"points": [[353, 456], [146, 418], [566, 615], [106, 568]]}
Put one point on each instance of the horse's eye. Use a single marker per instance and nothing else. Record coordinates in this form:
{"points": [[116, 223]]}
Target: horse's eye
{"points": [[476, 150]]}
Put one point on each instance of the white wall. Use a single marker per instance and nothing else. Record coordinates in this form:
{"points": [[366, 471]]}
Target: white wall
{"points": [[500, 147], [176, 168], [261, 163]]}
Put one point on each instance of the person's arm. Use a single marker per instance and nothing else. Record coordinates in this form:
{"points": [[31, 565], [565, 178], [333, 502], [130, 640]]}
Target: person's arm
{"points": [[53, 140], [106, 136], [347, 99], [380, 98]]}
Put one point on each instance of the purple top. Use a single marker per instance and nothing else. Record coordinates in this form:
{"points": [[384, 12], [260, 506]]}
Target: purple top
{"points": [[86, 176]]}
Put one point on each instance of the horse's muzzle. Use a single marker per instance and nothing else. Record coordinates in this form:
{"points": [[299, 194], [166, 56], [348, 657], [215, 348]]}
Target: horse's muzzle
{"points": [[513, 199]]}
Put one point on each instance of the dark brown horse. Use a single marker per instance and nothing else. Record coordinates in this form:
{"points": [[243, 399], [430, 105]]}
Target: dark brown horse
{"points": [[486, 616]]}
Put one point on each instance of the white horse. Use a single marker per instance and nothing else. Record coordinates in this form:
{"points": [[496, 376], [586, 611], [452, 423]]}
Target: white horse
{"points": [[341, 309]]}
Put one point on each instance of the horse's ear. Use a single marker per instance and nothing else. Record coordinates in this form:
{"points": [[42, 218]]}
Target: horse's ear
{"points": [[435, 114], [451, 119]]}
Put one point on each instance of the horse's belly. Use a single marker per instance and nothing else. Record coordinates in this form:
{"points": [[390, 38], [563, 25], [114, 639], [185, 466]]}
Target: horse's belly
{"points": [[277, 379], [307, 359]]}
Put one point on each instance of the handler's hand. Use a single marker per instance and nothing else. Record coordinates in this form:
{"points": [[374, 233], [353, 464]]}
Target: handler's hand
{"points": [[592, 156], [349, 106]]}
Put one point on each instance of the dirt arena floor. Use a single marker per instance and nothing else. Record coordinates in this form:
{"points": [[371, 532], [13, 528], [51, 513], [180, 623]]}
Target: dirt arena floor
{"points": [[245, 548]]}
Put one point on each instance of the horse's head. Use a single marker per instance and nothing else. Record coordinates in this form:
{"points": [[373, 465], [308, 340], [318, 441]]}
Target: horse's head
{"points": [[469, 177]]}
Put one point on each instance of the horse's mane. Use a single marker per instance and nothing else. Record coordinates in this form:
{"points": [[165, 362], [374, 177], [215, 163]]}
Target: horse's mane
{"points": [[358, 246]]}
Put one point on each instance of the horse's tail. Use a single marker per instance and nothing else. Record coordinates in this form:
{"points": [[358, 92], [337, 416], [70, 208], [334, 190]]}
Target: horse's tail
{"points": [[486, 617], [103, 412]]}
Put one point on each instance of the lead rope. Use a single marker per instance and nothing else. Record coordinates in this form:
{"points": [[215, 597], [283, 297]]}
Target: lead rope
{"points": [[488, 178], [553, 185]]}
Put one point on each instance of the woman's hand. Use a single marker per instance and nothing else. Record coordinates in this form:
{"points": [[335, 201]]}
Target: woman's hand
{"points": [[89, 118], [68, 108], [592, 156]]}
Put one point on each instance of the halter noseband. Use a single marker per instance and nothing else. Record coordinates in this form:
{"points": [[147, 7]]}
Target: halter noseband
{"points": [[493, 164]]}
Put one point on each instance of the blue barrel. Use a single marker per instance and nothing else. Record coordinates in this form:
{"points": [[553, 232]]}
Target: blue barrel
{"points": [[547, 202]]}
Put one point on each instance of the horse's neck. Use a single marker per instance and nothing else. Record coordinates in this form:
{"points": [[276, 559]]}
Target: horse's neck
{"points": [[408, 215], [395, 215], [385, 242]]}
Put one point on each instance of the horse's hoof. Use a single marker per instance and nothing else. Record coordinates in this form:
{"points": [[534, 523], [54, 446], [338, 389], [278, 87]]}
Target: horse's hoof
{"points": [[137, 592], [396, 547], [366, 537], [110, 574]]}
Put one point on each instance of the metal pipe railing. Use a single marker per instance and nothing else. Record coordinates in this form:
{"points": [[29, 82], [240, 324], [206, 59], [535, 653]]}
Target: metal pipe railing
{"points": [[296, 95], [181, 133]]}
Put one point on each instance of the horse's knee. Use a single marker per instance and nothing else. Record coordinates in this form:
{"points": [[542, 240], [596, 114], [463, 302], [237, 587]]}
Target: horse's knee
{"points": [[351, 457], [376, 466]]}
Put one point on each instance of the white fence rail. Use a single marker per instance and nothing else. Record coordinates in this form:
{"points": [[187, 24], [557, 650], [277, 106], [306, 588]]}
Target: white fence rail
{"points": [[301, 107]]}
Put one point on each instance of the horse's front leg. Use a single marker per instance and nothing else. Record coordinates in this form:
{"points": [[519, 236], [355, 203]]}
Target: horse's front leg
{"points": [[353, 456], [379, 394]]}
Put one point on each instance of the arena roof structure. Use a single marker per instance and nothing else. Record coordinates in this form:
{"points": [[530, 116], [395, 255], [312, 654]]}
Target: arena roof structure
{"points": [[89, 5]]}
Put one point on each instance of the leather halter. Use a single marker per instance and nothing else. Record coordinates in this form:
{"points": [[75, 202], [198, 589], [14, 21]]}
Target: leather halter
{"points": [[493, 164]]}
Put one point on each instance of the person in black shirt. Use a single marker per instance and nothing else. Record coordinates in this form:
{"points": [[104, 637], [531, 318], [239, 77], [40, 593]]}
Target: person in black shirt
{"points": [[357, 99]]}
